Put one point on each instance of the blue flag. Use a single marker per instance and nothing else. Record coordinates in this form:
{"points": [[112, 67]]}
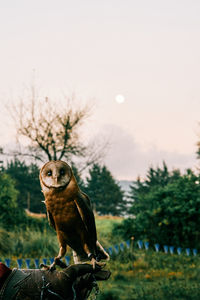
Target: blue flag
{"points": [[188, 251], [116, 247], [19, 262], [146, 245], [110, 250], [122, 246], [36, 261], [67, 259], [171, 249], [157, 247], [179, 250], [51, 260], [128, 244], [140, 244], [27, 262], [194, 252], [44, 260], [7, 262], [166, 248]]}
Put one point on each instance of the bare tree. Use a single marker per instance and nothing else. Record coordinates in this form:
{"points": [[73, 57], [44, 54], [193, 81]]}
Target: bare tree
{"points": [[52, 130]]}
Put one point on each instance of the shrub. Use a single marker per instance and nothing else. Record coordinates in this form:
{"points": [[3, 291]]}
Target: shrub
{"points": [[6, 242], [109, 295], [35, 244]]}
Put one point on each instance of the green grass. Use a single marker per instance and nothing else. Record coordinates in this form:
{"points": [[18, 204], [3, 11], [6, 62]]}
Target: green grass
{"points": [[136, 274], [153, 276], [104, 230], [140, 274], [43, 242]]}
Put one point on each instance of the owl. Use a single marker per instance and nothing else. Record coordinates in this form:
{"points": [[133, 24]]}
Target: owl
{"points": [[70, 213]]}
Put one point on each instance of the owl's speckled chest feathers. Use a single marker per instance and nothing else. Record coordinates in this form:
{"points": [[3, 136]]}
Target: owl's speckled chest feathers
{"points": [[61, 204]]}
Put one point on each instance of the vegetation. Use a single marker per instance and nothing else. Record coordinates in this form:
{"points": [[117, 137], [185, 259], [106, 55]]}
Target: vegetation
{"points": [[163, 208], [153, 276], [35, 238], [105, 226], [106, 194], [166, 209], [136, 274], [26, 178], [8, 200]]}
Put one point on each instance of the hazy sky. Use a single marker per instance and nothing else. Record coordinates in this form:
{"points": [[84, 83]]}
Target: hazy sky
{"points": [[148, 51]]}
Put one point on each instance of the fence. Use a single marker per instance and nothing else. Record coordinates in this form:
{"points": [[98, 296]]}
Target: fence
{"points": [[116, 249]]}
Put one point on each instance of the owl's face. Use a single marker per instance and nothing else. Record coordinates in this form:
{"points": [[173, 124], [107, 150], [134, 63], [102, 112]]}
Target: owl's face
{"points": [[55, 174]]}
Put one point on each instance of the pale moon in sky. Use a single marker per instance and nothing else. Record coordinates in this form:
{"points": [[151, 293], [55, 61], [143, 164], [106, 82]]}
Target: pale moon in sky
{"points": [[120, 99]]}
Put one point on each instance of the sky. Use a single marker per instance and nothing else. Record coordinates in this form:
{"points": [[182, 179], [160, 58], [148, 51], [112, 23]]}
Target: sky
{"points": [[147, 51]]}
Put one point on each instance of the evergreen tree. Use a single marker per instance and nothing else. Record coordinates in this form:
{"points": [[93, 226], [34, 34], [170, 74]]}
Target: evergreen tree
{"points": [[26, 179], [166, 209], [105, 194], [8, 201], [78, 177]]}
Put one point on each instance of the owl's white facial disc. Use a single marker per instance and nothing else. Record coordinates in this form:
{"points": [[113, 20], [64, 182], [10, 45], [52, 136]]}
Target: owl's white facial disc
{"points": [[55, 174]]}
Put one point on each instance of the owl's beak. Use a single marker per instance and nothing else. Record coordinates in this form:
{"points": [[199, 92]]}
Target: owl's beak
{"points": [[56, 179]]}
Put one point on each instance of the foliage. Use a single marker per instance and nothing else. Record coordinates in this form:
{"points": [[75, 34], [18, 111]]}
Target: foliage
{"points": [[29, 238], [135, 274], [8, 201], [153, 276], [78, 177], [106, 195], [6, 242], [166, 209], [109, 295], [34, 237], [105, 226], [35, 243], [27, 183], [13, 196]]}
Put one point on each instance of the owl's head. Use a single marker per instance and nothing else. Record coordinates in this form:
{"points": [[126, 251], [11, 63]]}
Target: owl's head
{"points": [[55, 174]]}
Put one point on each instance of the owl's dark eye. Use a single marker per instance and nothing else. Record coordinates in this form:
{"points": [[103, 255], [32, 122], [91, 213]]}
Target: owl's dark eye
{"points": [[49, 173], [62, 171]]}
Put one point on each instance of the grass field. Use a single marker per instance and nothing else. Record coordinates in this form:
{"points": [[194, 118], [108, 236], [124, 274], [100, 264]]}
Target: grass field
{"points": [[136, 274], [105, 230], [153, 276]]}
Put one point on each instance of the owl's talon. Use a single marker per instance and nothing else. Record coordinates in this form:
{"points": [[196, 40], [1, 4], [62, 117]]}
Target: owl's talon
{"points": [[52, 267], [60, 263], [96, 264], [44, 267]]}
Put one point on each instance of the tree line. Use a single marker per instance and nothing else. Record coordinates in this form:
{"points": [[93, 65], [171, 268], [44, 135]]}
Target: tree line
{"points": [[166, 208], [20, 189]]}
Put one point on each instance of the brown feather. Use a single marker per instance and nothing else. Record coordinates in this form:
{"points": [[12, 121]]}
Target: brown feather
{"points": [[69, 211]]}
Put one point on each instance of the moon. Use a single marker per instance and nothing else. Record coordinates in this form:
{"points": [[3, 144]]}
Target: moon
{"points": [[120, 99]]}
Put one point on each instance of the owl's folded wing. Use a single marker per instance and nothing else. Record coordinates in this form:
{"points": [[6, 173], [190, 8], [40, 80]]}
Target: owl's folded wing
{"points": [[83, 205], [51, 220]]}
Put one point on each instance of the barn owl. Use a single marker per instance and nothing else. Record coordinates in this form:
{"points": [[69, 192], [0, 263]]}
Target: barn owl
{"points": [[70, 213]]}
